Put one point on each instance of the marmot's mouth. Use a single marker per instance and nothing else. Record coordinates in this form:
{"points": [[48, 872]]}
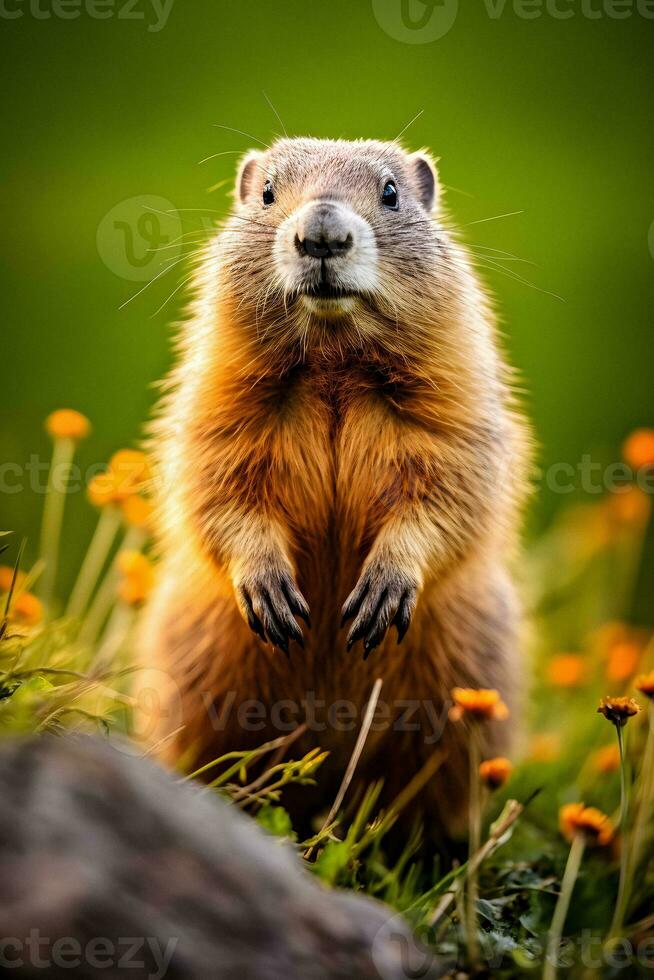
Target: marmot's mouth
{"points": [[324, 290]]}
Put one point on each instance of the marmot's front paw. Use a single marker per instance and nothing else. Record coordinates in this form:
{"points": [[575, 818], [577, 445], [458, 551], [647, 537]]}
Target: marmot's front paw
{"points": [[384, 596], [269, 599]]}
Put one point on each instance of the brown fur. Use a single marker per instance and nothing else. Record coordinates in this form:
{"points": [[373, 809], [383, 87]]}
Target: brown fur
{"points": [[382, 438]]}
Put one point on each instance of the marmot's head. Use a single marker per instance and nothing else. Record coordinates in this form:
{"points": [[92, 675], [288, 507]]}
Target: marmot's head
{"points": [[332, 236]]}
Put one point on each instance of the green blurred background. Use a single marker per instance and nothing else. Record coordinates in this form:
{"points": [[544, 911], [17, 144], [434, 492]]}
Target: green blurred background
{"points": [[549, 117]]}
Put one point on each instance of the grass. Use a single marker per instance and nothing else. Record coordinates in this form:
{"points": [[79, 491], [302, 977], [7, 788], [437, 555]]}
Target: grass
{"points": [[66, 663]]}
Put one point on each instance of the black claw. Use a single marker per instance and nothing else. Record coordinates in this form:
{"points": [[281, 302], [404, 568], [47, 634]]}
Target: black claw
{"points": [[402, 620], [253, 620], [278, 640], [369, 646], [354, 602], [355, 635], [256, 627], [296, 601]]}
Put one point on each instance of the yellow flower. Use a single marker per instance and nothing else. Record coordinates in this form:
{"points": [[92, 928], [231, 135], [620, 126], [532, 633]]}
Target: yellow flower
{"points": [[545, 747], [26, 609], [566, 670], [495, 772], [623, 661], [138, 577], [638, 448], [607, 759], [66, 423], [618, 710], [477, 703], [645, 684], [137, 511], [575, 818]]}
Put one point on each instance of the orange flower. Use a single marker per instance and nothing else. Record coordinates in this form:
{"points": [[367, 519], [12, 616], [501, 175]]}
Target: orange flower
{"points": [[566, 670], [607, 759], [66, 423], [495, 772], [575, 818], [618, 710], [638, 448], [103, 489], [138, 576], [630, 506], [477, 703], [623, 661], [137, 511], [645, 684], [545, 747], [6, 576], [130, 468], [26, 609]]}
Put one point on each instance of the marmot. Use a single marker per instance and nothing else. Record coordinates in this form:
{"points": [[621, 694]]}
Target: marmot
{"points": [[339, 447]]}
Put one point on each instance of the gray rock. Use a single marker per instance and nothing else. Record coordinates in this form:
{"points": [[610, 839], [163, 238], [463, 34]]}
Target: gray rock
{"points": [[110, 867]]}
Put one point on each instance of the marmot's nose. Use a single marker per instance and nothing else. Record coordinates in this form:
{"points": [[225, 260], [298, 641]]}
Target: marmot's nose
{"points": [[323, 232], [323, 248]]}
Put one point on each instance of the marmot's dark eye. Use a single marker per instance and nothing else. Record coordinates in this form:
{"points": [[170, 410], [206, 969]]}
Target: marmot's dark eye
{"points": [[268, 193], [389, 194]]}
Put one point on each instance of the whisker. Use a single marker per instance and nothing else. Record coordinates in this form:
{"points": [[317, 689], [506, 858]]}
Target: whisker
{"points": [[496, 217], [242, 133], [172, 265], [499, 253], [410, 123], [279, 118], [517, 278], [174, 293], [223, 153]]}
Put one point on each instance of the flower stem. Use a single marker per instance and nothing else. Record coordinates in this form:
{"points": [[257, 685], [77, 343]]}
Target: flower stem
{"points": [[106, 595], [96, 555], [562, 905], [644, 798], [53, 513], [623, 895], [474, 842]]}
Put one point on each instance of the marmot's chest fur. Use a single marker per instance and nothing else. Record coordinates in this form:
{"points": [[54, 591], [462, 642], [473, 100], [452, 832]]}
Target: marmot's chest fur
{"points": [[320, 414]]}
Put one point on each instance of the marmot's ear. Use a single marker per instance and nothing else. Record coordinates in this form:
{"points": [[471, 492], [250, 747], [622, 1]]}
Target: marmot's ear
{"points": [[246, 175], [425, 179]]}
